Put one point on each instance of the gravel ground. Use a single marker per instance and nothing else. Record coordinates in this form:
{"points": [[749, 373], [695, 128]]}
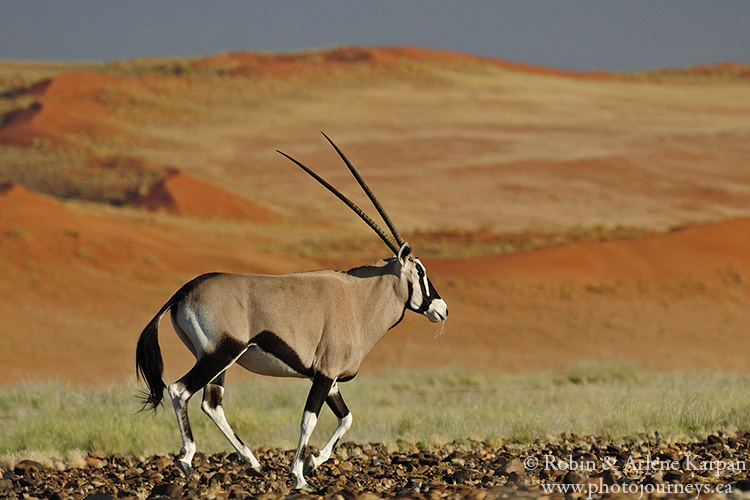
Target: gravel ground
{"points": [[569, 467]]}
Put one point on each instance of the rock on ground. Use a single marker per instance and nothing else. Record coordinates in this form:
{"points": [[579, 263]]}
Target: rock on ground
{"points": [[569, 467]]}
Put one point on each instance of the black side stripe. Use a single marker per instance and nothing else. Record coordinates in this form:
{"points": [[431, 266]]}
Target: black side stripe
{"points": [[273, 345]]}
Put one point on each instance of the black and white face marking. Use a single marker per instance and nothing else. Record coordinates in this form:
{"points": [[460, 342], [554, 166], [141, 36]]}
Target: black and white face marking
{"points": [[423, 298]]}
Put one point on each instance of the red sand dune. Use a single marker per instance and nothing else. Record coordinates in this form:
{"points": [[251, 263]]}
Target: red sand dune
{"points": [[14, 195], [267, 64], [713, 70], [45, 233], [181, 194], [698, 252], [67, 104]]}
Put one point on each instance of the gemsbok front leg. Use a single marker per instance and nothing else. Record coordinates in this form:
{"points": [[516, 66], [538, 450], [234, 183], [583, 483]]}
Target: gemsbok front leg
{"points": [[213, 394], [336, 403], [321, 388]]}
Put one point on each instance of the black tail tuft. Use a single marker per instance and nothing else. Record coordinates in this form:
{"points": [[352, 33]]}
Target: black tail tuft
{"points": [[150, 365]]}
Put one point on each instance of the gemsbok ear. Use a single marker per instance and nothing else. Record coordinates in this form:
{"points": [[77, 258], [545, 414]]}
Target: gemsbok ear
{"points": [[404, 252]]}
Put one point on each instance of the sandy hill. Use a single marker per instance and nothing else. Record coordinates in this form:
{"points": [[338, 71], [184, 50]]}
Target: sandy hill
{"points": [[66, 106], [695, 252], [181, 194], [452, 144]]}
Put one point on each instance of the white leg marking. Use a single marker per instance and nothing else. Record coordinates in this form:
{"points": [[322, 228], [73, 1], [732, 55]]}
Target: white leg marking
{"points": [[309, 420], [217, 415], [180, 398], [314, 461]]}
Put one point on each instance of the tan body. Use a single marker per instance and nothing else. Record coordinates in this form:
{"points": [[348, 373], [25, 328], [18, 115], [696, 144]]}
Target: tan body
{"points": [[332, 319]]}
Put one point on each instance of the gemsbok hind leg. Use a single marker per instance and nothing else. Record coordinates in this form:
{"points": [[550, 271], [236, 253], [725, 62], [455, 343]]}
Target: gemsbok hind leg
{"points": [[336, 403], [213, 394], [206, 369]]}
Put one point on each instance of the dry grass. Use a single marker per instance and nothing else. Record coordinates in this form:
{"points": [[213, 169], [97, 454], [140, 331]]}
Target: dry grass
{"points": [[70, 174], [455, 243], [613, 401]]}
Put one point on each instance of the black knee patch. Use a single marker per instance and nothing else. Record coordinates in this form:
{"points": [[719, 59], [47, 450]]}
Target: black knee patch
{"points": [[212, 397], [321, 386], [336, 403]]}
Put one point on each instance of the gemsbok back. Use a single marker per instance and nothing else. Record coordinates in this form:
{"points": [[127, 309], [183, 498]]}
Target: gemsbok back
{"points": [[317, 325]]}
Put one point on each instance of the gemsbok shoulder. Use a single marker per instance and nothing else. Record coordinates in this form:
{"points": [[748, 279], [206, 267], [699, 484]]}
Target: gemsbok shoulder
{"points": [[317, 325]]}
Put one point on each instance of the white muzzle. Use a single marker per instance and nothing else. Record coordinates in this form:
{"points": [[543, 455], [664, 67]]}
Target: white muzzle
{"points": [[438, 311]]}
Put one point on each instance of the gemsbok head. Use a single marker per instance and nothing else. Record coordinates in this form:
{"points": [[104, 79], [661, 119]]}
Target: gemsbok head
{"points": [[318, 325]]}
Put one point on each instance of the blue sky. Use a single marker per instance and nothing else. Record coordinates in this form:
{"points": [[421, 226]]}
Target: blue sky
{"points": [[571, 34]]}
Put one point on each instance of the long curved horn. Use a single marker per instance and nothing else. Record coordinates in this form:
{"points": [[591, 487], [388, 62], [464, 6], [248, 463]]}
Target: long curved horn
{"points": [[369, 193], [383, 235]]}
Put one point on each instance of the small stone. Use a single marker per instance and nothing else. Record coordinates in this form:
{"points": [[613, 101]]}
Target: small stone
{"points": [[30, 480], [95, 462], [6, 484], [713, 439], [459, 477], [162, 463], [99, 496], [736, 442], [605, 477], [220, 478], [573, 478], [516, 478], [26, 467], [170, 490], [428, 459], [152, 475], [551, 474], [674, 476], [510, 466], [477, 495], [239, 494], [368, 495]]}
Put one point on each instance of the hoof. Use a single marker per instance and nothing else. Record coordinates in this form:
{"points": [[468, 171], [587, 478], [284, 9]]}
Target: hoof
{"points": [[310, 464], [256, 471], [186, 468], [301, 485]]}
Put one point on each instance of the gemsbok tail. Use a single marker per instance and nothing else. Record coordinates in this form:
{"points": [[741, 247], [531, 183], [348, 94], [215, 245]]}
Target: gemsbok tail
{"points": [[148, 361]]}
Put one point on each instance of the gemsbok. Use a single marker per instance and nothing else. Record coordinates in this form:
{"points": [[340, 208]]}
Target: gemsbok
{"points": [[317, 325]]}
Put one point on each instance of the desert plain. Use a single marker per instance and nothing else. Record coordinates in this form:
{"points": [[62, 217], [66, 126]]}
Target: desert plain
{"points": [[565, 217]]}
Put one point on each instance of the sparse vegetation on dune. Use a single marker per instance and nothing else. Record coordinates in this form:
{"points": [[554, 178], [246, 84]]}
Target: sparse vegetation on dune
{"points": [[222, 117], [72, 175], [458, 243]]}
